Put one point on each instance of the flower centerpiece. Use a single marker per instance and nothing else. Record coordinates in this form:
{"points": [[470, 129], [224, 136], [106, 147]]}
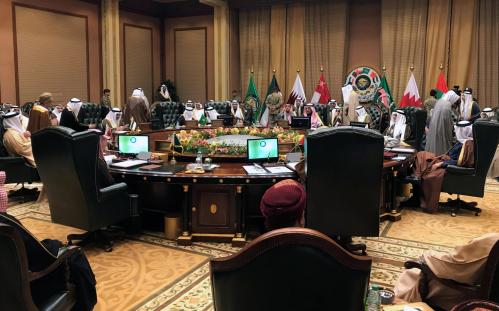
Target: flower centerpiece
{"points": [[199, 140]]}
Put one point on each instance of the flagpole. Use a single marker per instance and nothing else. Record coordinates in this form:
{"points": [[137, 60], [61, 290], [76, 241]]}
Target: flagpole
{"points": [[322, 69], [412, 67], [441, 67]]}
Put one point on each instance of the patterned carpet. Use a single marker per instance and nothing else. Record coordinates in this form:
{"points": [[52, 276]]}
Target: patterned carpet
{"points": [[148, 272]]}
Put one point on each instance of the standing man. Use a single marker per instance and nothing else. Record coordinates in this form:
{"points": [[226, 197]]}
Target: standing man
{"points": [[468, 108], [430, 102], [106, 98], [39, 116]]}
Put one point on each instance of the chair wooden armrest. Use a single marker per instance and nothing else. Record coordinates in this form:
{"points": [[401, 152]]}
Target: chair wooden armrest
{"points": [[61, 259]]}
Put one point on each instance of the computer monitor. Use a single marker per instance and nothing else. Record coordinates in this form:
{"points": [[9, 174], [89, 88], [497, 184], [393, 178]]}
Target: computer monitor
{"points": [[300, 122], [128, 144], [263, 150]]}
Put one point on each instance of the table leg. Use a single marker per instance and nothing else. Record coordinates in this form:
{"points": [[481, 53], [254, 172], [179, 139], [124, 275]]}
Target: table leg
{"points": [[239, 239], [185, 237]]}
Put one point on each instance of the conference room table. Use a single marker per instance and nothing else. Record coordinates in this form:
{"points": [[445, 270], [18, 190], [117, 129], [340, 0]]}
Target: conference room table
{"points": [[214, 205], [217, 206]]}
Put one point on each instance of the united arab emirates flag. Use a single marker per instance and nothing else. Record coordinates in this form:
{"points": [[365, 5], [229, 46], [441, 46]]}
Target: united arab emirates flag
{"points": [[252, 98], [273, 100], [441, 86], [385, 95]]}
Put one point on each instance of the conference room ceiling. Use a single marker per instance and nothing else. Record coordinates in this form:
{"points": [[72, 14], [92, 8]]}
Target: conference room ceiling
{"points": [[167, 8], [164, 8]]}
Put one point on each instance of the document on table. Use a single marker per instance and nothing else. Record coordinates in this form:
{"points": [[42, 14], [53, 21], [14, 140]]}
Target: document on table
{"points": [[279, 170], [403, 150], [399, 158], [255, 170]]}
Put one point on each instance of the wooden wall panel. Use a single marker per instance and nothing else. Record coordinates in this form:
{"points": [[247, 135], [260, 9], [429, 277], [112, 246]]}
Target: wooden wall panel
{"points": [[191, 64], [53, 58], [138, 56]]}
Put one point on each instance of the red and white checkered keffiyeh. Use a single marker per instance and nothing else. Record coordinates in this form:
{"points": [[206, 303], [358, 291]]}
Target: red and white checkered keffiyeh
{"points": [[3, 193]]}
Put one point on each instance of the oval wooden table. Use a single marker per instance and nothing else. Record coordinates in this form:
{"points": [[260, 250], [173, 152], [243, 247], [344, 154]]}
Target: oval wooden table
{"points": [[216, 206], [213, 204]]}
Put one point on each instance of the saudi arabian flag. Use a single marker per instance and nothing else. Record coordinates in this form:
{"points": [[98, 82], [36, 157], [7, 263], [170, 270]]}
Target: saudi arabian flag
{"points": [[203, 120], [441, 86], [385, 95], [252, 98]]}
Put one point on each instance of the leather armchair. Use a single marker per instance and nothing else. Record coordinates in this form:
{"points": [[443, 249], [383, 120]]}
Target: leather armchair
{"points": [[67, 164], [221, 107], [471, 181], [416, 120], [344, 171], [17, 170], [167, 112], [487, 287], [323, 112], [290, 269], [91, 113], [17, 277], [376, 115]]}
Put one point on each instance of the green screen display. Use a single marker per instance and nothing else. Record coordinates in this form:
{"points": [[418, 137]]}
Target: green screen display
{"points": [[261, 149], [133, 144]]}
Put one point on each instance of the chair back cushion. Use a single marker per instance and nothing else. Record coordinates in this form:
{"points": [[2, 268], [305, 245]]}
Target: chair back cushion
{"points": [[344, 168], [486, 137], [167, 113], [91, 113], [323, 112], [290, 269], [67, 164]]}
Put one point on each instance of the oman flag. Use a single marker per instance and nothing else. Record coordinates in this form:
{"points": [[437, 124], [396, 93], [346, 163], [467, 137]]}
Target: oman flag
{"points": [[297, 91], [441, 86], [411, 94], [321, 94]]}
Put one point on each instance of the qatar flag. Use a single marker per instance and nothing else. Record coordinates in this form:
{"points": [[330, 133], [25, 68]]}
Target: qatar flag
{"points": [[411, 95], [296, 92]]}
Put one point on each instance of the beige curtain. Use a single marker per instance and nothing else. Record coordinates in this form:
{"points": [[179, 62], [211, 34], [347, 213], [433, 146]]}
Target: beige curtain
{"points": [[488, 62], [326, 41], [437, 43], [254, 41], [295, 45], [463, 52], [403, 34], [278, 44]]}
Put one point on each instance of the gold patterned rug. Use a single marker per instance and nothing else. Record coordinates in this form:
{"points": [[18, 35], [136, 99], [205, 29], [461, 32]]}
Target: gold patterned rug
{"points": [[149, 272]]}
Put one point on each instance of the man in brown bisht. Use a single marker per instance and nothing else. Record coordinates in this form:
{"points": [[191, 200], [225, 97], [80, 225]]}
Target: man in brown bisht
{"points": [[465, 264], [430, 168], [39, 116], [136, 109]]}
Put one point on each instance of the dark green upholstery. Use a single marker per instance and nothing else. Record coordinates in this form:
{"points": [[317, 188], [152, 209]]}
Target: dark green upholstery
{"points": [[91, 113], [167, 112], [290, 269], [221, 107], [323, 112], [416, 120], [376, 114]]}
